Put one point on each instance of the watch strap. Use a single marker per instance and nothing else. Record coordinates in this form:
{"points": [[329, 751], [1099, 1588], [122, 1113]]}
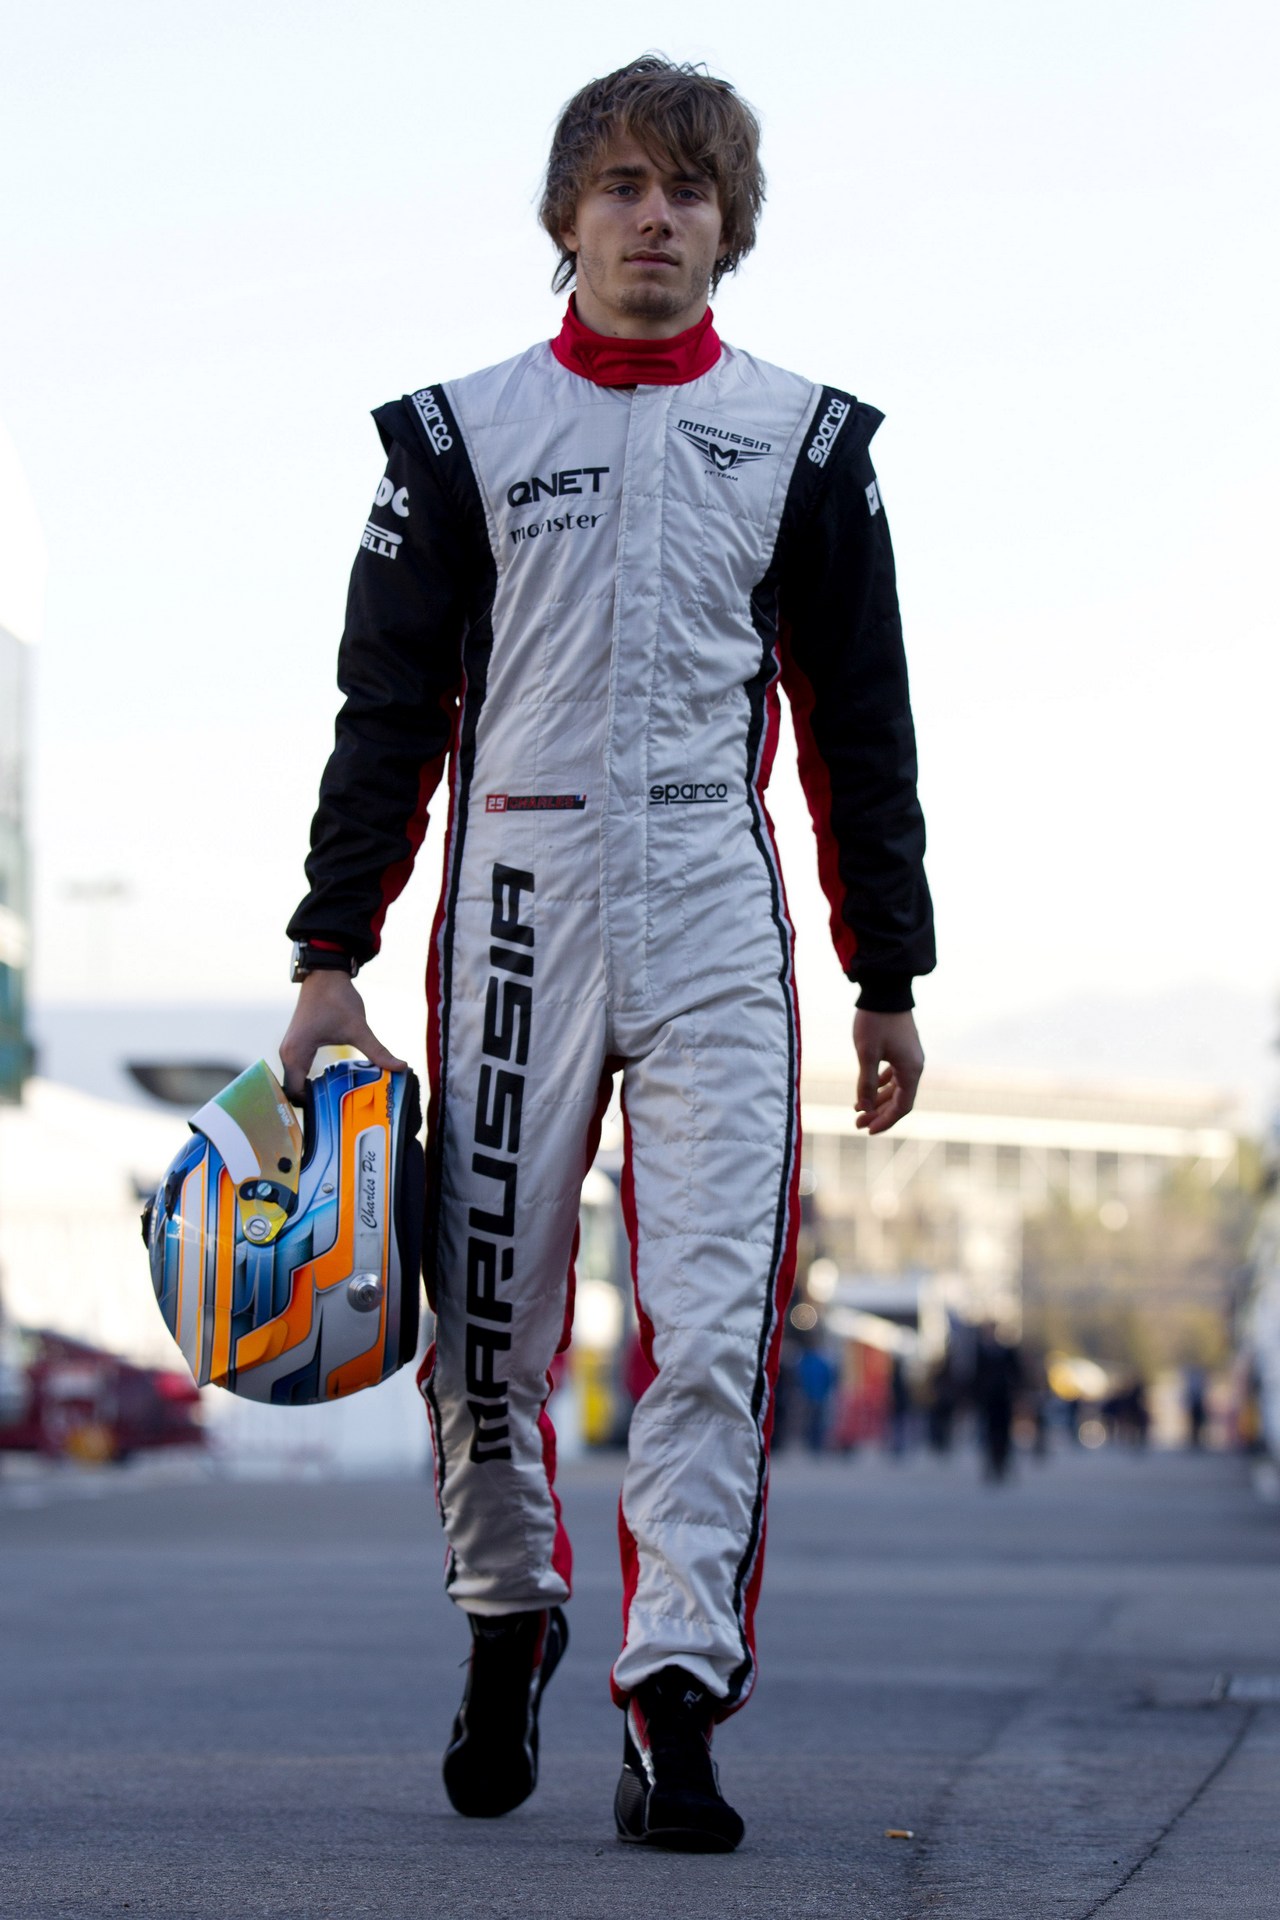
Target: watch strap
{"points": [[313, 956]]}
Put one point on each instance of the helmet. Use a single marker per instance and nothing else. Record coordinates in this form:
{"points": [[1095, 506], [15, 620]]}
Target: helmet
{"points": [[285, 1258]]}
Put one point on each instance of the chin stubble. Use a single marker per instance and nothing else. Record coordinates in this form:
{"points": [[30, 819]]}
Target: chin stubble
{"points": [[647, 301]]}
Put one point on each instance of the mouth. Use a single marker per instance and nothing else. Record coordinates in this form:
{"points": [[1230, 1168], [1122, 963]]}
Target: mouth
{"points": [[649, 258]]}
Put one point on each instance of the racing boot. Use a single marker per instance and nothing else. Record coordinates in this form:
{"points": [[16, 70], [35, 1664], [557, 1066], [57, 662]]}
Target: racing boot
{"points": [[491, 1762], [669, 1794]]}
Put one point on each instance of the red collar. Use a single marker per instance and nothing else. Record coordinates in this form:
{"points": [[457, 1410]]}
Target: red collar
{"points": [[636, 363]]}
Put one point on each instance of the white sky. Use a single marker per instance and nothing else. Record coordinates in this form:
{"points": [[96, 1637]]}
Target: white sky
{"points": [[1040, 238]]}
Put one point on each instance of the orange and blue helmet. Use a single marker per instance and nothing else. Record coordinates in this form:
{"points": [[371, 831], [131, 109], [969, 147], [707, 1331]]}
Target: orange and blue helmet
{"points": [[285, 1257]]}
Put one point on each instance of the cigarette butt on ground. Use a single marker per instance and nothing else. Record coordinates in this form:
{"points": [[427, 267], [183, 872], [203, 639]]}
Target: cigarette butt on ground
{"points": [[899, 1833]]}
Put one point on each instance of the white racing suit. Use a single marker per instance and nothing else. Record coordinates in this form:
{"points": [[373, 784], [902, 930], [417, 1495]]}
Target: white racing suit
{"points": [[583, 597]]}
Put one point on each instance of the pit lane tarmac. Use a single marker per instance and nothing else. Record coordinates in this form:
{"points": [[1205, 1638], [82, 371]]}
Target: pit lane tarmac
{"points": [[230, 1698]]}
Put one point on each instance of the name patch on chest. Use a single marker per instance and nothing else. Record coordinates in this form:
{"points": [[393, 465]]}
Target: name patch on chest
{"points": [[534, 802]]}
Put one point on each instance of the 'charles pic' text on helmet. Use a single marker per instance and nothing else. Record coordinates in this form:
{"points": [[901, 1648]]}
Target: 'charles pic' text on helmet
{"points": [[285, 1257]]}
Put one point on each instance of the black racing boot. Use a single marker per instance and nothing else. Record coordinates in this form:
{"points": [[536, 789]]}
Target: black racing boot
{"points": [[491, 1762], [669, 1794]]}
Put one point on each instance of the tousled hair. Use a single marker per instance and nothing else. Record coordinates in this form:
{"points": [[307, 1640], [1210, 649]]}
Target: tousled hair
{"points": [[676, 113]]}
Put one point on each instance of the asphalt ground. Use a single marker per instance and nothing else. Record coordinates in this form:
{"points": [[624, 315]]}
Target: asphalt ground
{"points": [[229, 1698]]}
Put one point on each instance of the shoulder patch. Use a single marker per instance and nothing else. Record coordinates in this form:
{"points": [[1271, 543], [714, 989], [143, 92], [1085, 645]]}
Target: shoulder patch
{"points": [[438, 429], [829, 427]]}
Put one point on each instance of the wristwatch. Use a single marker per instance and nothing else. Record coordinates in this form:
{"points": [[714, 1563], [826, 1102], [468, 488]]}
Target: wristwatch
{"points": [[310, 958]]}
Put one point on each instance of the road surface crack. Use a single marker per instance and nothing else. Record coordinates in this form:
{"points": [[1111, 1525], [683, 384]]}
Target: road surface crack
{"points": [[935, 1819], [1220, 1764]]}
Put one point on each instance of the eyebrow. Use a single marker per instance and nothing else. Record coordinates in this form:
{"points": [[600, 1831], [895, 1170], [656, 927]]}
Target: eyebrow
{"points": [[684, 174]]}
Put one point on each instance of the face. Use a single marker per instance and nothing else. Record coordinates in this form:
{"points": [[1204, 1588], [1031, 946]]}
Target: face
{"points": [[645, 237]]}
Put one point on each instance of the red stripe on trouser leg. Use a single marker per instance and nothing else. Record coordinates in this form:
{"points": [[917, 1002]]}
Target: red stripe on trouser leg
{"points": [[436, 1014], [782, 1294], [626, 1539], [784, 1278], [424, 1377], [562, 1552], [426, 1371]]}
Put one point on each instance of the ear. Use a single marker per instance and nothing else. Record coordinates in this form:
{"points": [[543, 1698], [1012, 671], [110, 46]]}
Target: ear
{"points": [[569, 239]]}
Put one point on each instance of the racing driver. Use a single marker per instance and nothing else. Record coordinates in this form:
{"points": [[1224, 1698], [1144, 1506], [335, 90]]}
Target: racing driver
{"points": [[584, 575]]}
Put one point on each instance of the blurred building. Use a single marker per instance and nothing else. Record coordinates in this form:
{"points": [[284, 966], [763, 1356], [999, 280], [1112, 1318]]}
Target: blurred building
{"points": [[904, 1238], [22, 574], [935, 1210]]}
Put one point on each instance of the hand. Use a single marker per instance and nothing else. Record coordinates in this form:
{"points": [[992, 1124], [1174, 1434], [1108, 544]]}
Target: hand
{"points": [[329, 1013], [890, 1062]]}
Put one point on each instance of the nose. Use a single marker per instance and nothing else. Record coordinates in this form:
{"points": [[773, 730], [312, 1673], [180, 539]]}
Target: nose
{"points": [[654, 211]]}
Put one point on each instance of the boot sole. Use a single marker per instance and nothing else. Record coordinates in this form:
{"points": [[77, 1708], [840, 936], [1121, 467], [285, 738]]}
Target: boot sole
{"points": [[679, 1840]]}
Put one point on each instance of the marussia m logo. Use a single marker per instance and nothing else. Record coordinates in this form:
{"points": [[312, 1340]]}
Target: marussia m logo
{"points": [[738, 450]]}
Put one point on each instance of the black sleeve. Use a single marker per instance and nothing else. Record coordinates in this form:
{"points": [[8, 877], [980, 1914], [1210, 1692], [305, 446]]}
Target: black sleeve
{"points": [[845, 673], [419, 581]]}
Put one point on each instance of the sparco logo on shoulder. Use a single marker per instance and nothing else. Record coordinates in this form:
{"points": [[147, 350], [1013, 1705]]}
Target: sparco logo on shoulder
{"points": [[828, 427], [433, 420]]}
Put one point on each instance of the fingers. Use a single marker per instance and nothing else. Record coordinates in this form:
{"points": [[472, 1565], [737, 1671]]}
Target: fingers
{"points": [[296, 1056], [329, 1013], [870, 1076], [890, 1063], [373, 1050], [295, 1080], [298, 1061], [892, 1102]]}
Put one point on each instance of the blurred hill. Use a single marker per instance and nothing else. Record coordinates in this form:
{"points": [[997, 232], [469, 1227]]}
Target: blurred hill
{"points": [[1202, 1032]]}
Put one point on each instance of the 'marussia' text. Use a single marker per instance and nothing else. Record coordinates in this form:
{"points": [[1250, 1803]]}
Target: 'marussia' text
{"points": [[491, 1252]]}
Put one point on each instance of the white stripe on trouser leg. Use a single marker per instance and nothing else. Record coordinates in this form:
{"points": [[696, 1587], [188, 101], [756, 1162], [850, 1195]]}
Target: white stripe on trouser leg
{"points": [[711, 1114]]}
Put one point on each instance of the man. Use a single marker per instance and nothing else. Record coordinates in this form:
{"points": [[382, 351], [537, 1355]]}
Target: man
{"points": [[583, 576]]}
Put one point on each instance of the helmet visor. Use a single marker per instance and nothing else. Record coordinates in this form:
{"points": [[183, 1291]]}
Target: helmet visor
{"points": [[258, 1136]]}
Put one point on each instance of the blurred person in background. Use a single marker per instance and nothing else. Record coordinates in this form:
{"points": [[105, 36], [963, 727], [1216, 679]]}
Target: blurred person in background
{"points": [[898, 1436], [997, 1375], [1195, 1402], [1126, 1414], [583, 576], [941, 1416], [816, 1376]]}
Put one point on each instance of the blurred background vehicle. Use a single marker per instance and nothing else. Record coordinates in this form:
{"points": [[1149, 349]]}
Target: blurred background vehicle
{"points": [[70, 1400]]}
